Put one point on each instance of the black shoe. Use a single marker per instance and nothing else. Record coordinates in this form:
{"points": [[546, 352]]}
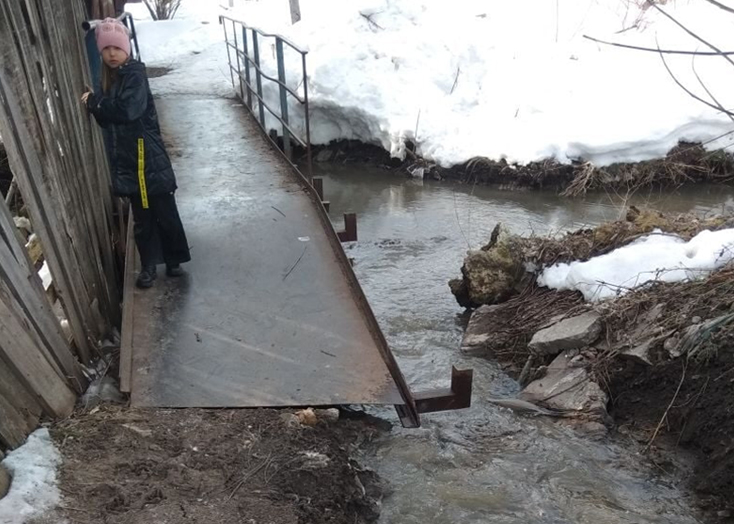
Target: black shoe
{"points": [[174, 270], [146, 277]]}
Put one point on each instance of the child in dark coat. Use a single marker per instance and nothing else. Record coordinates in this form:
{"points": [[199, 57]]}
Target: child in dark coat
{"points": [[140, 166]]}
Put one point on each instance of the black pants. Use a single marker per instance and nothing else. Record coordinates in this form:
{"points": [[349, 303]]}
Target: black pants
{"points": [[159, 233]]}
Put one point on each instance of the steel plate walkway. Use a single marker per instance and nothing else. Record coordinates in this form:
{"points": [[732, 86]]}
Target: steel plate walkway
{"points": [[267, 315]]}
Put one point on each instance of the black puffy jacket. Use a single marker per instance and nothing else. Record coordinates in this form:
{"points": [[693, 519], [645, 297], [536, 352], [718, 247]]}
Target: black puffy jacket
{"points": [[127, 114]]}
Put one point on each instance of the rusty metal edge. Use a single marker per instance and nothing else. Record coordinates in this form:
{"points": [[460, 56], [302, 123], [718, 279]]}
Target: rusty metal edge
{"points": [[408, 413]]}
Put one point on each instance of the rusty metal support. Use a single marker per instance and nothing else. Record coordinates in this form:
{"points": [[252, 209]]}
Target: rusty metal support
{"points": [[318, 185], [350, 228], [458, 396]]}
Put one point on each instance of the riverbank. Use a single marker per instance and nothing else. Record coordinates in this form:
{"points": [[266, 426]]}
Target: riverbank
{"points": [[686, 164], [654, 364], [131, 466]]}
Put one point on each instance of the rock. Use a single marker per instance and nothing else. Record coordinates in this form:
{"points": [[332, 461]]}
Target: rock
{"points": [[571, 333], [5, 481], [568, 388], [307, 417], [330, 415], [479, 330], [672, 346], [24, 225], [641, 352], [290, 420], [491, 274], [325, 155], [101, 390], [460, 292]]}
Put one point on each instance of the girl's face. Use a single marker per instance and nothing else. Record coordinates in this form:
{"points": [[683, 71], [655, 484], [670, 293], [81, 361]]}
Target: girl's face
{"points": [[113, 56]]}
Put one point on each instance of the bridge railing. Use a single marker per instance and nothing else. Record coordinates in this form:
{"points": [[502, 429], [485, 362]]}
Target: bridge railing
{"points": [[246, 44]]}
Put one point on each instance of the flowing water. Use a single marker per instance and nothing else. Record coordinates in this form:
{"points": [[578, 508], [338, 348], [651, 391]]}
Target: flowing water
{"points": [[485, 464]]}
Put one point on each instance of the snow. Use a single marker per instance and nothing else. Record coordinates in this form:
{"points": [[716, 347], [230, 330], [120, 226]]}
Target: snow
{"points": [[656, 257], [191, 45], [34, 489], [502, 79], [511, 79]]}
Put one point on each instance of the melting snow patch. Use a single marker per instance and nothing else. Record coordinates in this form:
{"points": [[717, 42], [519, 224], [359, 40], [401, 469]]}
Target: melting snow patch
{"points": [[656, 257], [33, 490]]}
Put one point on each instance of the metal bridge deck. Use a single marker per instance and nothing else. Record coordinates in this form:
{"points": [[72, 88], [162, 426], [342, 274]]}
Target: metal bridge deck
{"points": [[268, 314]]}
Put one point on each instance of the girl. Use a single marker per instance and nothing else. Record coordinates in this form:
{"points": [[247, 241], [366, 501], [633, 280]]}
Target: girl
{"points": [[140, 166]]}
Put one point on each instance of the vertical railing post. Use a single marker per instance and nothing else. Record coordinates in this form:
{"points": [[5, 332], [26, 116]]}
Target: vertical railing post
{"points": [[237, 53], [229, 55], [247, 67], [283, 98], [307, 120], [258, 77]]}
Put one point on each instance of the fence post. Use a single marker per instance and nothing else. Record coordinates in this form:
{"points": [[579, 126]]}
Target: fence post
{"points": [[256, 50], [247, 67], [283, 98], [229, 55], [237, 54]]}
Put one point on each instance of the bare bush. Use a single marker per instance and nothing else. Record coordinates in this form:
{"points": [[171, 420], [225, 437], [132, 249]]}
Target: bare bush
{"points": [[162, 9]]}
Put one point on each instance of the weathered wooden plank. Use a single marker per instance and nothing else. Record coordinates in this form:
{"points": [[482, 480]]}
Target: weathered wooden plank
{"points": [[128, 294], [14, 427], [31, 366], [19, 281], [19, 411], [32, 151]]}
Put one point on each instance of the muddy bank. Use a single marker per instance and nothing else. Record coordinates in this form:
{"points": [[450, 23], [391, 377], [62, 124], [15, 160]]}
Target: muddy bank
{"points": [[687, 163], [655, 365], [123, 465]]}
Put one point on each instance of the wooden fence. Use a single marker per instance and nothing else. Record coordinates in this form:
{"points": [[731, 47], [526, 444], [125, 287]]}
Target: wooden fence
{"points": [[56, 155]]}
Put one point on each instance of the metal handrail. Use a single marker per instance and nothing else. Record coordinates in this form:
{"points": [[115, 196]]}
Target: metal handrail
{"points": [[246, 88]]}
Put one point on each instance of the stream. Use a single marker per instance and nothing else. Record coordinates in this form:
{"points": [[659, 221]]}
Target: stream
{"points": [[486, 464]]}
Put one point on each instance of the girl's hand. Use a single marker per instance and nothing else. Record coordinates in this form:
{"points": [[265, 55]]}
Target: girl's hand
{"points": [[85, 97]]}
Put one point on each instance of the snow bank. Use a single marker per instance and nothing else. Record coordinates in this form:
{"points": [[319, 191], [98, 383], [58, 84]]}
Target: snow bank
{"points": [[510, 79], [191, 45], [34, 490], [659, 256]]}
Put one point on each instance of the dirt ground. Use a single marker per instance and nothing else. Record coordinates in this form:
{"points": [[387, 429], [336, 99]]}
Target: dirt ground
{"points": [[127, 466], [700, 417]]}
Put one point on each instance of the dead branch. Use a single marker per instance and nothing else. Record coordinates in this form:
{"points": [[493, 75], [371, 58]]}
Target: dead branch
{"points": [[708, 91], [456, 80], [665, 415], [721, 6], [691, 93], [658, 50], [372, 23], [694, 35]]}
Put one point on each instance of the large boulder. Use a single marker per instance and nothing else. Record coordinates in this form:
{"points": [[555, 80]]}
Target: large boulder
{"points": [[492, 274], [568, 387], [571, 333]]}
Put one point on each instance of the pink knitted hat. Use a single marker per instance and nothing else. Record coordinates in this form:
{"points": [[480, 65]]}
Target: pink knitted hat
{"points": [[111, 32]]}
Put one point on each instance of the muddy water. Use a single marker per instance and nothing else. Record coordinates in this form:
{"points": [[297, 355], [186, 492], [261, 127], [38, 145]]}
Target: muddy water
{"points": [[486, 464]]}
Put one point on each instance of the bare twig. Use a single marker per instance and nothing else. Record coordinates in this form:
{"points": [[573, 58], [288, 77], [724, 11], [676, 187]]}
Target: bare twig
{"points": [[694, 35], [708, 91], [665, 415], [691, 93], [653, 50], [456, 80], [372, 23], [721, 6], [294, 265]]}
